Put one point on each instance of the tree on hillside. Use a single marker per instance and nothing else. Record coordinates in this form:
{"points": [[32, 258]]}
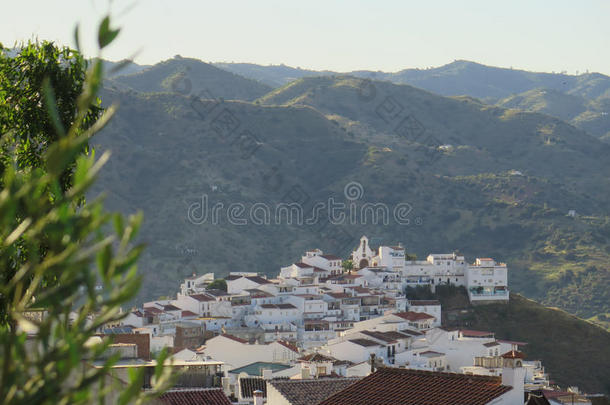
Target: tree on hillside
{"points": [[47, 344], [218, 284], [347, 265]]}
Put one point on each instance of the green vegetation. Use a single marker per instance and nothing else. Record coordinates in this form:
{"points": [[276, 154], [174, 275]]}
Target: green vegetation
{"points": [[552, 335], [55, 250], [204, 80], [218, 284], [347, 265]]}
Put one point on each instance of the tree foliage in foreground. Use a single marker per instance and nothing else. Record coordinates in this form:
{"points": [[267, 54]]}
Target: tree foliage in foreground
{"points": [[47, 344]]}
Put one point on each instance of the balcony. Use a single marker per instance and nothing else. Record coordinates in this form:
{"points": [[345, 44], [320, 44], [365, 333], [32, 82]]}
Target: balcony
{"points": [[481, 291]]}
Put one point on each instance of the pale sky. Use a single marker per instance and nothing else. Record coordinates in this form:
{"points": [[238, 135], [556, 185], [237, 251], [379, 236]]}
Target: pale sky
{"points": [[339, 35]]}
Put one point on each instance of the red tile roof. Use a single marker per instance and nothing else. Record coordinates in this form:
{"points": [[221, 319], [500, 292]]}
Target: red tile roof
{"points": [[338, 295], [258, 280], [308, 392], [316, 358], [413, 316], [387, 337], [248, 385], [416, 387], [235, 338], [303, 265], [288, 345], [330, 257], [201, 297], [195, 396], [188, 313], [364, 342], [513, 355]]}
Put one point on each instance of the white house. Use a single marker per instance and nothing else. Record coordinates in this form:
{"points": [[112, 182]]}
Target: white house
{"points": [[316, 258], [236, 352], [237, 283], [355, 350], [430, 307], [487, 281], [196, 284]]}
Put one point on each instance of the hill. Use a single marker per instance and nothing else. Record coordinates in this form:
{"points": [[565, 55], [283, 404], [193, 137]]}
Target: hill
{"points": [[124, 67], [589, 115], [272, 75], [502, 188], [582, 100], [552, 335], [168, 76]]}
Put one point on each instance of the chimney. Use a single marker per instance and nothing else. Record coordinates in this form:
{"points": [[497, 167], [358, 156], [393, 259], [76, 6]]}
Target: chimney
{"points": [[258, 397], [305, 373], [226, 386], [372, 363], [513, 374]]}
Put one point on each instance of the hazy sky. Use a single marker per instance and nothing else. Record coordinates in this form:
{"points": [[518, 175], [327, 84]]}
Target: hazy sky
{"points": [[387, 35]]}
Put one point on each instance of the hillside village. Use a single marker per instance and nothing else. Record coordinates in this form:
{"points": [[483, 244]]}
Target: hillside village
{"points": [[328, 319]]}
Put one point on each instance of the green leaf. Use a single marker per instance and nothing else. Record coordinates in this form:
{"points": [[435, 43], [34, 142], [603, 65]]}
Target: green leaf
{"points": [[106, 35], [51, 104]]}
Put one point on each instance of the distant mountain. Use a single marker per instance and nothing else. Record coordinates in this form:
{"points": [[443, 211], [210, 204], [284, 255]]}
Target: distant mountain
{"points": [[124, 67], [589, 115], [582, 100], [490, 83], [272, 75], [168, 76], [547, 101]]}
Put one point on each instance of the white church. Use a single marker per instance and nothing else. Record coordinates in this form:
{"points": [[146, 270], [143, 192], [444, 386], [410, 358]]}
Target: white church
{"points": [[485, 279]]}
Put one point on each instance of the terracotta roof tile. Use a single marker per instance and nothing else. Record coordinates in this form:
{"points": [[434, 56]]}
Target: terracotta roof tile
{"points": [[258, 280], [413, 316], [288, 345], [250, 384], [387, 337], [364, 342], [513, 355], [308, 392], [202, 297], [416, 387], [316, 358], [188, 313], [198, 396], [330, 257]]}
